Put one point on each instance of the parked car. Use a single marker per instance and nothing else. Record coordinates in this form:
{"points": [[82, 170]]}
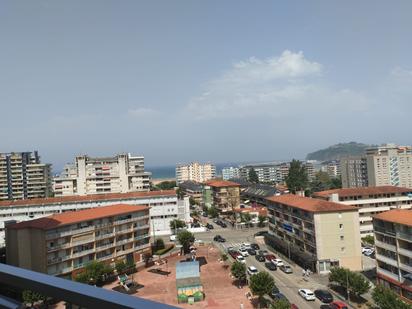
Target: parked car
{"points": [[210, 226], [252, 270], [338, 305], [219, 238], [279, 296], [172, 237], [307, 294], [270, 257], [270, 266], [261, 233], [243, 251], [251, 251], [263, 252], [234, 254], [277, 262], [324, 296], [259, 258], [255, 246], [286, 269], [293, 306], [274, 291], [241, 259], [204, 214], [245, 245], [223, 224]]}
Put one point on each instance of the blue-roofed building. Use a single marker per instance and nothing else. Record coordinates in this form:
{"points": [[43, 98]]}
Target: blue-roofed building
{"points": [[189, 287]]}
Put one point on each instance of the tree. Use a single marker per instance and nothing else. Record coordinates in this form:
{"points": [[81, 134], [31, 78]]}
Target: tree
{"points": [[224, 258], [297, 178], [336, 183], [192, 201], [177, 224], [354, 282], [30, 297], [159, 244], [213, 212], [280, 304], [186, 239], [261, 283], [94, 272], [262, 220], [369, 239], [166, 185], [385, 298], [180, 194], [246, 218], [238, 271], [253, 176], [120, 267]]}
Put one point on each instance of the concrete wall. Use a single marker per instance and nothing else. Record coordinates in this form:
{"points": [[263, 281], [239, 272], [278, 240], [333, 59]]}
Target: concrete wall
{"points": [[329, 227]]}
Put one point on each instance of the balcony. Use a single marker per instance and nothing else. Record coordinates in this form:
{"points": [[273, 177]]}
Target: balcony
{"points": [[387, 260], [81, 253], [141, 236], [387, 273], [62, 246], [82, 242], [108, 235], [103, 258], [70, 232], [64, 270], [123, 241], [405, 252], [406, 267], [404, 236], [383, 230], [385, 245], [141, 227], [104, 247]]}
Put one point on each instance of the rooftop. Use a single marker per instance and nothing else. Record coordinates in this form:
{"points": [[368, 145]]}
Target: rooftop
{"points": [[71, 217], [221, 183], [310, 204], [400, 216], [346, 192], [86, 198], [191, 185]]}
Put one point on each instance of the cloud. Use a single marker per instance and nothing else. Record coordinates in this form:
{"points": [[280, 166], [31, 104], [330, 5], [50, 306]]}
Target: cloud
{"points": [[274, 87], [142, 112]]}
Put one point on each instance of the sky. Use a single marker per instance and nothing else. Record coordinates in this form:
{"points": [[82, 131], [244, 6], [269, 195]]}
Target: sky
{"points": [[220, 81]]}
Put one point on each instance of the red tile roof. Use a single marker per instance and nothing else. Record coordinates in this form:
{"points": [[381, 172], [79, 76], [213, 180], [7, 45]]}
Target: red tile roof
{"points": [[86, 198], [346, 192], [71, 217], [309, 204], [221, 183], [401, 216]]}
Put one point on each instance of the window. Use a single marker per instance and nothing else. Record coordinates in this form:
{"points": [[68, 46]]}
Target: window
{"points": [[342, 249], [341, 226], [342, 237]]}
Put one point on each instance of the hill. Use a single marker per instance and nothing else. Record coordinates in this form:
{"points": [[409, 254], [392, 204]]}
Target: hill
{"points": [[338, 151]]}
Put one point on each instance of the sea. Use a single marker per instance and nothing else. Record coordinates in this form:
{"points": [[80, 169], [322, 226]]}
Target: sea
{"points": [[168, 172]]}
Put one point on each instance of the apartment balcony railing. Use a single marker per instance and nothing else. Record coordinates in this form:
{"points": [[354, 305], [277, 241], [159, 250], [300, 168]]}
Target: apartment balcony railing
{"points": [[104, 247], [123, 241], [81, 253], [108, 235], [82, 242], [404, 236], [63, 271], [388, 260], [141, 227], [102, 258], [139, 237], [126, 251], [131, 220], [308, 230], [383, 230], [406, 267], [70, 232], [59, 247], [385, 245], [405, 252], [387, 273]]}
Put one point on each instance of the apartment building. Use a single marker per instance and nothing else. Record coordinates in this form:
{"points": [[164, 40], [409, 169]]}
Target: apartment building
{"points": [[164, 207], [119, 174], [222, 194], [369, 201], [393, 242], [354, 172], [23, 176], [390, 165], [195, 171], [266, 172], [332, 168], [316, 234], [193, 190], [62, 244], [230, 172]]}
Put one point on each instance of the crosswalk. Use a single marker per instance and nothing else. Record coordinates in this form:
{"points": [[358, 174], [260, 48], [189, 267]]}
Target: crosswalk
{"points": [[234, 245]]}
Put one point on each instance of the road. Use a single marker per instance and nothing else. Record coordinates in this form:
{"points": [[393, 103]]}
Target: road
{"points": [[288, 284]]}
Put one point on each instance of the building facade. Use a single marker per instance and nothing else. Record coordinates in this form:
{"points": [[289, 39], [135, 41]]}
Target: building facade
{"points": [[193, 190], [354, 172], [266, 172], [393, 242], [23, 176], [195, 171], [332, 168], [230, 172], [224, 195], [63, 244], [317, 234], [369, 201], [119, 174], [390, 165], [164, 207]]}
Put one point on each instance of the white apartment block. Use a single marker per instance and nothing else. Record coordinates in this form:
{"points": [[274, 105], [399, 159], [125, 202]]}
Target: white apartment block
{"points": [[23, 176], [164, 207], [332, 168], [119, 174], [195, 171], [390, 165], [230, 173], [369, 201], [354, 172]]}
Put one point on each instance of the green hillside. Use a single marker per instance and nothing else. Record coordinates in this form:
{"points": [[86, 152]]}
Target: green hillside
{"points": [[338, 151]]}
